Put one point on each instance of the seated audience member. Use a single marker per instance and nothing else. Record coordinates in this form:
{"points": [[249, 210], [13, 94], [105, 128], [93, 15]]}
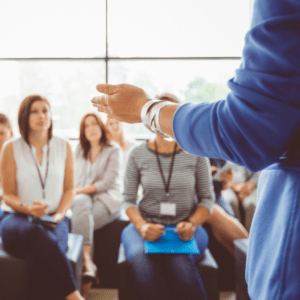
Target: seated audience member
{"points": [[116, 133], [167, 175], [215, 165], [6, 133], [98, 187], [239, 188], [225, 228], [38, 179]]}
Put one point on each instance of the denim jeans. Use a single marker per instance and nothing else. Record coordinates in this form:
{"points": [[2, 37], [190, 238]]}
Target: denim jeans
{"points": [[164, 276], [49, 270]]}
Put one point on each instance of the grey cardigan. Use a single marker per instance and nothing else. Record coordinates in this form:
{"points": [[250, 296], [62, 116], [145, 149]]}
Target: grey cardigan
{"points": [[106, 175]]}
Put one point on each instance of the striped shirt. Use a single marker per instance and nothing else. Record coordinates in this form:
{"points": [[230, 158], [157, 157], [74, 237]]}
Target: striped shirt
{"points": [[190, 177]]}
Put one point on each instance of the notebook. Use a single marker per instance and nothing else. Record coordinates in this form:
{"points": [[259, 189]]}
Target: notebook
{"points": [[44, 220], [171, 243]]}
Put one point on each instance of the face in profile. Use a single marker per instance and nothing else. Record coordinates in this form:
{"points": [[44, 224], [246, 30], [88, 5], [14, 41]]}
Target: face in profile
{"points": [[92, 129], [113, 126], [5, 134], [39, 117]]}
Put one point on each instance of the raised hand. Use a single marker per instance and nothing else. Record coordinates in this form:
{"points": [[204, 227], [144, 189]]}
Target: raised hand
{"points": [[122, 102]]}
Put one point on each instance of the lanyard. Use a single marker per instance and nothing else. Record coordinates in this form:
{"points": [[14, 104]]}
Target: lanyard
{"points": [[43, 182], [166, 185]]}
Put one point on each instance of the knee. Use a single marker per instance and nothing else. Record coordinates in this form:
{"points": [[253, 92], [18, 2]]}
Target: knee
{"points": [[201, 237], [133, 245], [37, 232], [82, 203]]}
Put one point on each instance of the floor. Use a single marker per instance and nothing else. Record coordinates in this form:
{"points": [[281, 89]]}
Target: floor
{"points": [[111, 294]]}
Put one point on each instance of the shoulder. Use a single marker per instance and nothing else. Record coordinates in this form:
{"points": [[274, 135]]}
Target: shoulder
{"points": [[8, 147], [112, 147], [202, 161], [138, 154], [7, 152], [59, 143], [139, 150], [14, 144]]}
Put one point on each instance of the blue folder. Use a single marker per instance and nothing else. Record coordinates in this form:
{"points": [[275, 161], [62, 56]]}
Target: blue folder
{"points": [[171, 243]]}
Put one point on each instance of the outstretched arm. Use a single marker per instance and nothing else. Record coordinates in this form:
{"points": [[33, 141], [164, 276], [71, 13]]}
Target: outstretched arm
{"points": [[124, 102]]}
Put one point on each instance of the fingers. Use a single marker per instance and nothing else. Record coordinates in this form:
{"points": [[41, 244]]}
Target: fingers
{"points": [[156, 229], [38, 209], [100, 101], [40, 205], [181, 227], [108, 89], [185, 231], [152, 232]]}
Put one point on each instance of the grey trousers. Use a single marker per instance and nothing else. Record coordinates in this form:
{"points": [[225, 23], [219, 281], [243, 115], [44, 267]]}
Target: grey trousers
{"points": [[89, 215]]}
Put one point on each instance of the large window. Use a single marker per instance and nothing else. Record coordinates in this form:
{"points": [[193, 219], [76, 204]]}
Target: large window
{"points": [[62, 49]]}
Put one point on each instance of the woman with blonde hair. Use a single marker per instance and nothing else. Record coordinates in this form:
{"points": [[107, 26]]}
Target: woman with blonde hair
{"points": [[116, 133]]}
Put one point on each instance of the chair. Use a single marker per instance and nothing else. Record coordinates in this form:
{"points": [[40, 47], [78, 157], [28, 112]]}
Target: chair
{"points": [[13, 271], [207, 268], [241, 247], [106, 248]]}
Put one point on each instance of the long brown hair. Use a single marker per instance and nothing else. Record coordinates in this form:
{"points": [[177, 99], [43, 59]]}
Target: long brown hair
{"points": [[5, 121], [24, 112], [85, 144]]}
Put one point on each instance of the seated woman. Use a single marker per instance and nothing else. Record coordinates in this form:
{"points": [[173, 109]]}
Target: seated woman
{"points": [[169, 176], [38, 179], [240, 189], [99, 186], [116, 133], [6, 133]]}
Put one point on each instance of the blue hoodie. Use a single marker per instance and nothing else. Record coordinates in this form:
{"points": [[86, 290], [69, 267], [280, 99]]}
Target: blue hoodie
{"points": [[259, 117]]}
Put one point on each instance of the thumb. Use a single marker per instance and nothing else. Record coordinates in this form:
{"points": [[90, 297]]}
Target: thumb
{"points": [[108, 89]]}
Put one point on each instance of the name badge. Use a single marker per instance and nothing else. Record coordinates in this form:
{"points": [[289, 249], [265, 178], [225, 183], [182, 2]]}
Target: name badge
{"points": [[168, 209]]}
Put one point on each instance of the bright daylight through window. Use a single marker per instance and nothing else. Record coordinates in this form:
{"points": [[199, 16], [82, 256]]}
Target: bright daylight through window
{"points": [[62, 49]]}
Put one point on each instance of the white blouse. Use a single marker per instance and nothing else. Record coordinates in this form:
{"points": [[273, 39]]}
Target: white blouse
{"points": [[29, 187]]}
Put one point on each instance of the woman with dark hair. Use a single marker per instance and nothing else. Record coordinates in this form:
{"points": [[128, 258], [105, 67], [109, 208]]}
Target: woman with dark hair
{"points": [[171, 179], [98, 183], [38, 179]]}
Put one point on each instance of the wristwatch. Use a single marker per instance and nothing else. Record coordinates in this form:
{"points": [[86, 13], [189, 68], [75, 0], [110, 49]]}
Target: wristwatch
{"points": [[193, 225]]}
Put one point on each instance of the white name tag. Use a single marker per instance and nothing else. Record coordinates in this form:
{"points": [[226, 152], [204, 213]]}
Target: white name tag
{"points": [[168, 209]]}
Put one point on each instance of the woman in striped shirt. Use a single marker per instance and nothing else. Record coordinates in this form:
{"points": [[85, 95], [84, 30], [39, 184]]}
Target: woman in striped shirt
{"points": [[171, 179]]}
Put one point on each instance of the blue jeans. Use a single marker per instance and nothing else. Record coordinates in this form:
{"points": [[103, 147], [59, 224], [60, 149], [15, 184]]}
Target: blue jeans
{"points": [[164, 276], [49, 270], [1, 214]]}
